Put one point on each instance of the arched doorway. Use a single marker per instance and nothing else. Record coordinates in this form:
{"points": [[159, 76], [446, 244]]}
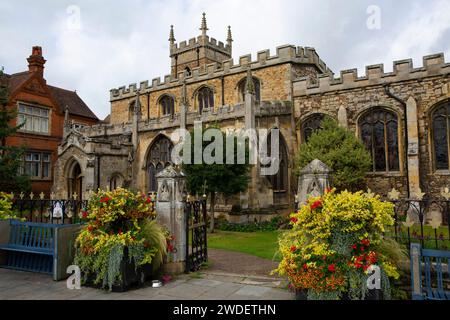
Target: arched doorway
{"points": [[159, 157], [74, 181]]}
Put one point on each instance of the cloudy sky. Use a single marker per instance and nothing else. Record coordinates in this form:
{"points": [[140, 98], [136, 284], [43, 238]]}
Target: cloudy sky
{"points": [[93, 46]]}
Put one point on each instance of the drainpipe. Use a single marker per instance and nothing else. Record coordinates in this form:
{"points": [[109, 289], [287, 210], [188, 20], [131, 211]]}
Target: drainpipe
{"points": [[148, 105], [403, 103], [98, 172]]}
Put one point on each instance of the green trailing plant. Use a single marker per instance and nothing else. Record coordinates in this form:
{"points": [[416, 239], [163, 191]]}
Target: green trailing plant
{"points": [[120, 224]]}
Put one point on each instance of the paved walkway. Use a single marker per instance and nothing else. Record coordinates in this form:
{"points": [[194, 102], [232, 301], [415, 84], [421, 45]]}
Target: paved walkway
{"points": [[239, 263], [208, 285]]}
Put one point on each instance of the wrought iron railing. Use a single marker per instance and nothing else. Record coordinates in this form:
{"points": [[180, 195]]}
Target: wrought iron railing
{"points": [[55, 211], [422, 219]]}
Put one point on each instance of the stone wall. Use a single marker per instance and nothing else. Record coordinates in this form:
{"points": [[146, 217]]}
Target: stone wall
{"points": [[427, 85]]}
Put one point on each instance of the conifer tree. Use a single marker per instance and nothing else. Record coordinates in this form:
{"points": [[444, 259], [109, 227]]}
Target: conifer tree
{"points": [[10, 157]]}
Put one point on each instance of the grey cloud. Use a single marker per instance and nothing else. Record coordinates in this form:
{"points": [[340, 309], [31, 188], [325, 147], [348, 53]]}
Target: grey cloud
{"points": [[125, 42]]}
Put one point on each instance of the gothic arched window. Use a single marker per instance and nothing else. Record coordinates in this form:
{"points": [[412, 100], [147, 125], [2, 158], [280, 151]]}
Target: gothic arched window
{"points": [[159, 157], [279, 181], [313, 123], [167, 105], [205, 99], [115, 182], [441, 136], [131, 111], [379, 133], [242, 89]]}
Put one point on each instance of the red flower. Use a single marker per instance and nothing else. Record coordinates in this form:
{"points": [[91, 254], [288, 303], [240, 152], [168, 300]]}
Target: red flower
{"points": [[328, 190], [365, 242], [316, 204], [293, 248], [90, 228], [332, 268], [120, 231], [104, 199], [354, 247], [148, 200], [84, 214], [294, 220], [305, 266], [362, 248], [133, 238], [365, 268]]}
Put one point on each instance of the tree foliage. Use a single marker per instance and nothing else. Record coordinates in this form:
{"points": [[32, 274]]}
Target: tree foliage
{"points": [[342, 151], [210, 179], [10, 179]]}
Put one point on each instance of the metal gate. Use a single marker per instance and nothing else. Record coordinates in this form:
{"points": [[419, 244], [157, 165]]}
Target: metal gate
{"points": [[196, 230]]}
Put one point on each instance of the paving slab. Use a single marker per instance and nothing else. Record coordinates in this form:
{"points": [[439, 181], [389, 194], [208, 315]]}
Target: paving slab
{"points": [[204, 285]]}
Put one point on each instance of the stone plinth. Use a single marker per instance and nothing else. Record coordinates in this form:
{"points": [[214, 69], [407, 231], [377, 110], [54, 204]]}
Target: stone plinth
{"points": [[170, 206], [313, 181]]}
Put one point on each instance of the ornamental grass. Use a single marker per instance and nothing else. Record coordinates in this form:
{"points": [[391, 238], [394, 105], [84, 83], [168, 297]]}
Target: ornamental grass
{"points": [[116, 220]]}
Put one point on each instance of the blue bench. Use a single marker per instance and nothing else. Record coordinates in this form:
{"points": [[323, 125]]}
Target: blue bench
{"points": [[37, 247], [31, 247], [428, 265]]}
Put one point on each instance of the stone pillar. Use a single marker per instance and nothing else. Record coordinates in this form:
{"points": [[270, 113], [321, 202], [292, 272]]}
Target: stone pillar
{"points": [[416, 281], [413, 146], [170, 206], [342, 117], [184, 104], [250, 199], [313, 180]]}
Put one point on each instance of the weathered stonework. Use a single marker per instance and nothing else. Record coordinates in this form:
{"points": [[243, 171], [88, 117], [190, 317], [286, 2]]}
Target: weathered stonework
{"points": [[295, 84]]}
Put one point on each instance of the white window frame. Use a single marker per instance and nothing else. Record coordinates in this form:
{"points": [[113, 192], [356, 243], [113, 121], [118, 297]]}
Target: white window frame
{"points": [[35, 114]]}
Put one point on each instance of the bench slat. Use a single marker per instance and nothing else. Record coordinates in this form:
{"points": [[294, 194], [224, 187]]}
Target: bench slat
{"points": [[25, 249]]}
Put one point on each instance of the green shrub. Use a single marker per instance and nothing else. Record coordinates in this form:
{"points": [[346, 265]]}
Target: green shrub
{"points": [[339, 149], [272, 225]]}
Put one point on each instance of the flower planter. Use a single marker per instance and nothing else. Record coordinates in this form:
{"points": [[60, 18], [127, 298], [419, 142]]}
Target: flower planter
{"points": [[372, 295], [130, 276]]}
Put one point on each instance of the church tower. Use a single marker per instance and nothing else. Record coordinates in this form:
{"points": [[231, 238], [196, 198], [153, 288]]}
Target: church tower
{"points": [[198, 52]]}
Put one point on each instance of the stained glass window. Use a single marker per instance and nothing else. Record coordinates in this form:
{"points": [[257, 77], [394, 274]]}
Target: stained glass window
{"points": [[441, 136], [242, 89], [158, 159], [167, 105], [313, 123], [205, 99], [279, 181], [379, 133]]}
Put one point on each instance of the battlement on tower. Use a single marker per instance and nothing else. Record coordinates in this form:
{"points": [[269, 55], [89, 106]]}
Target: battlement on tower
{"points": [[194, 43], [284, 54], [403, 70]]}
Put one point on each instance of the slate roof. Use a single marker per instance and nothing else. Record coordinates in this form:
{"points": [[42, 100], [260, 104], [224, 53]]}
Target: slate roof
{"points": [[71, 99], [62, 96]]}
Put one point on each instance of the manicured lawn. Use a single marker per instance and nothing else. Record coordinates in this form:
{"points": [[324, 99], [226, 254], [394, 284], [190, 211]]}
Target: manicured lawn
{"points": [[260, 244]]}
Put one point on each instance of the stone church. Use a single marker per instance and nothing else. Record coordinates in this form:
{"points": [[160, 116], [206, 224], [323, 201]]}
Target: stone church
{"points": [[403, 118]]}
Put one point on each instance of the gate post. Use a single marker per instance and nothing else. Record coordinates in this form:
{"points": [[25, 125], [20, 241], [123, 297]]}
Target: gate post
{"points": [[170, 206]]}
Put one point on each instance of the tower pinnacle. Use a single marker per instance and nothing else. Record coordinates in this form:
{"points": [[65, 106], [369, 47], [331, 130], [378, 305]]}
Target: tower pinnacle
{"points": [[229, 37], [204, 27], [171, 36]]}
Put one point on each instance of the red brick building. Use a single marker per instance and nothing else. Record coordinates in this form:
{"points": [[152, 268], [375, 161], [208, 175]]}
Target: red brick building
{"points": [[43, 109]]}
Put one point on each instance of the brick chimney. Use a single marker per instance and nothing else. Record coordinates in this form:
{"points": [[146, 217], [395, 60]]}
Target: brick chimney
{"points": [[36, 61]]}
